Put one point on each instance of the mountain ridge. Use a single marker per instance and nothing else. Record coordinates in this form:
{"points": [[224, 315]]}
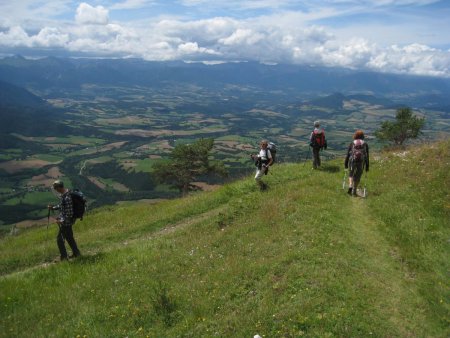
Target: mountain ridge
{"points": [[303, 259], [72, 73]]}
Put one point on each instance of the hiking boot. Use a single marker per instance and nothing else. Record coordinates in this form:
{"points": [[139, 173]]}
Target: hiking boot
{"points": [[349, 191], [354, 193], [263, 187], [74, 256]]}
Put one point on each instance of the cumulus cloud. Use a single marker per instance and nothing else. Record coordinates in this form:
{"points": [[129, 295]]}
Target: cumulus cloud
{"points": [[242, 36], [87, 14], [278, 38], [412, 59], [15, 37], [191, 48]]}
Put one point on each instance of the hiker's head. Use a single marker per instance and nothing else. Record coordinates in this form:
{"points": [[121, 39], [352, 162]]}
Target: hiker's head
{"points": [[263, 144], [359, 135], [58, 186], [316, 124]]}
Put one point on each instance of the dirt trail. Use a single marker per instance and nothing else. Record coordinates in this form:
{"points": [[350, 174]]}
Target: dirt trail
{"points": [[382, 262]]}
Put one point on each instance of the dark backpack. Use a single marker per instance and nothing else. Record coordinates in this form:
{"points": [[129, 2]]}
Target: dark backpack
{"points": [[273, 151], [358, 152], [79, 203], [318, 139]]}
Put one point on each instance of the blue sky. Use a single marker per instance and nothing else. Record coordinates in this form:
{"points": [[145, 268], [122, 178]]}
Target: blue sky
{"points": [[399, 36]]}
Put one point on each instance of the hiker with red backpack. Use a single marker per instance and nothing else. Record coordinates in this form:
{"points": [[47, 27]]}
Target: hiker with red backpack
{"points": [[317, 142], [69, 211], [357, 160]]}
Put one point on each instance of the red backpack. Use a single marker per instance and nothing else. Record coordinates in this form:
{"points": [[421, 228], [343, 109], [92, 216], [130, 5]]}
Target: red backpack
{"points": [[358, 152], [319, 138]]}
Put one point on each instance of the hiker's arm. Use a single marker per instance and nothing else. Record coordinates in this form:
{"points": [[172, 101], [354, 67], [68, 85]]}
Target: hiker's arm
{"points": [[269, 157], [367, 157], [324, 141], [348, 156]]}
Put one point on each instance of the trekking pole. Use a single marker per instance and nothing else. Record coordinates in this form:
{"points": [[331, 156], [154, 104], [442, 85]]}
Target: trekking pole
{"points": [[365, 189], [48, 223], [307, 156], [48, 218], [345, 177]]}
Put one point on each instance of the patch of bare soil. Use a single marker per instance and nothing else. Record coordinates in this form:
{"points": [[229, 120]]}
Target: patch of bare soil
{"points": [[15, 166], [46, 179]]}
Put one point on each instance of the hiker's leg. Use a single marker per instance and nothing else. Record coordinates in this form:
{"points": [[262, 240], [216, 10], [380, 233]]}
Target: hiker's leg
{"points": [[316, 158], [258, 179], [68, 235], [357, 176], [351, 172], [61, 246], [355, 187], [350, 184]]}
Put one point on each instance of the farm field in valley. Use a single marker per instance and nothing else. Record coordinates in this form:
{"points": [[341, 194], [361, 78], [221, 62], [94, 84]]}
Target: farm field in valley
{"points": [[118, 133]]}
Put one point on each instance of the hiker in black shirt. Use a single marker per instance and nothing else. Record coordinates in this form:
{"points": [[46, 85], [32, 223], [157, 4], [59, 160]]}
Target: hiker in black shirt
{"points": [[65, 220], [357, 160], [317, 142]]}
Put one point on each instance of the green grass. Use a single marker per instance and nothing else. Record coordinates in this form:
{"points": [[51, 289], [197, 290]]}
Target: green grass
{"points": [[41, 198], [6, 157], [48, 157], [145, 165], [303, 259]]}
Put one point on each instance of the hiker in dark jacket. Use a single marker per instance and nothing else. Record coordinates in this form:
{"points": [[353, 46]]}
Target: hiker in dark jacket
{"points": [[317, 142], [357, 160], [65, 221]]}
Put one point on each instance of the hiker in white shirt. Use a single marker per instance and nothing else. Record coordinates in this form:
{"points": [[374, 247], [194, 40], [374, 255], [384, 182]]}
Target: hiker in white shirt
{"points": [[262, 161]]}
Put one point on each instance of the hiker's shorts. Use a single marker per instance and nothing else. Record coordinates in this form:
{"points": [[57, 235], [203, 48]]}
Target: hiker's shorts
{"points": [[356, 170], [260, 173]]}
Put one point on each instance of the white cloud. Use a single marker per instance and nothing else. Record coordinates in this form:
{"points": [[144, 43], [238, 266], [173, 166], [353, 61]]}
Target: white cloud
{"points": [[86, 14], [132, 4], [401, 2], [240, 4], [15, 37], [50, 37], [242, 36], [282, 37], [412, 59], [191, 48]]}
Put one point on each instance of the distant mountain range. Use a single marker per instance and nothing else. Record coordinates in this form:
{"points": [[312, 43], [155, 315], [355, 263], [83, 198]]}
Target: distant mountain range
{"points": [[14, 96], [20, 110], [54, 72]]}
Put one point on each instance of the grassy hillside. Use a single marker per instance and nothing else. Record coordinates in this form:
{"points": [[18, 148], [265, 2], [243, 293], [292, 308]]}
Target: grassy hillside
{"points": [[303, 259]]}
